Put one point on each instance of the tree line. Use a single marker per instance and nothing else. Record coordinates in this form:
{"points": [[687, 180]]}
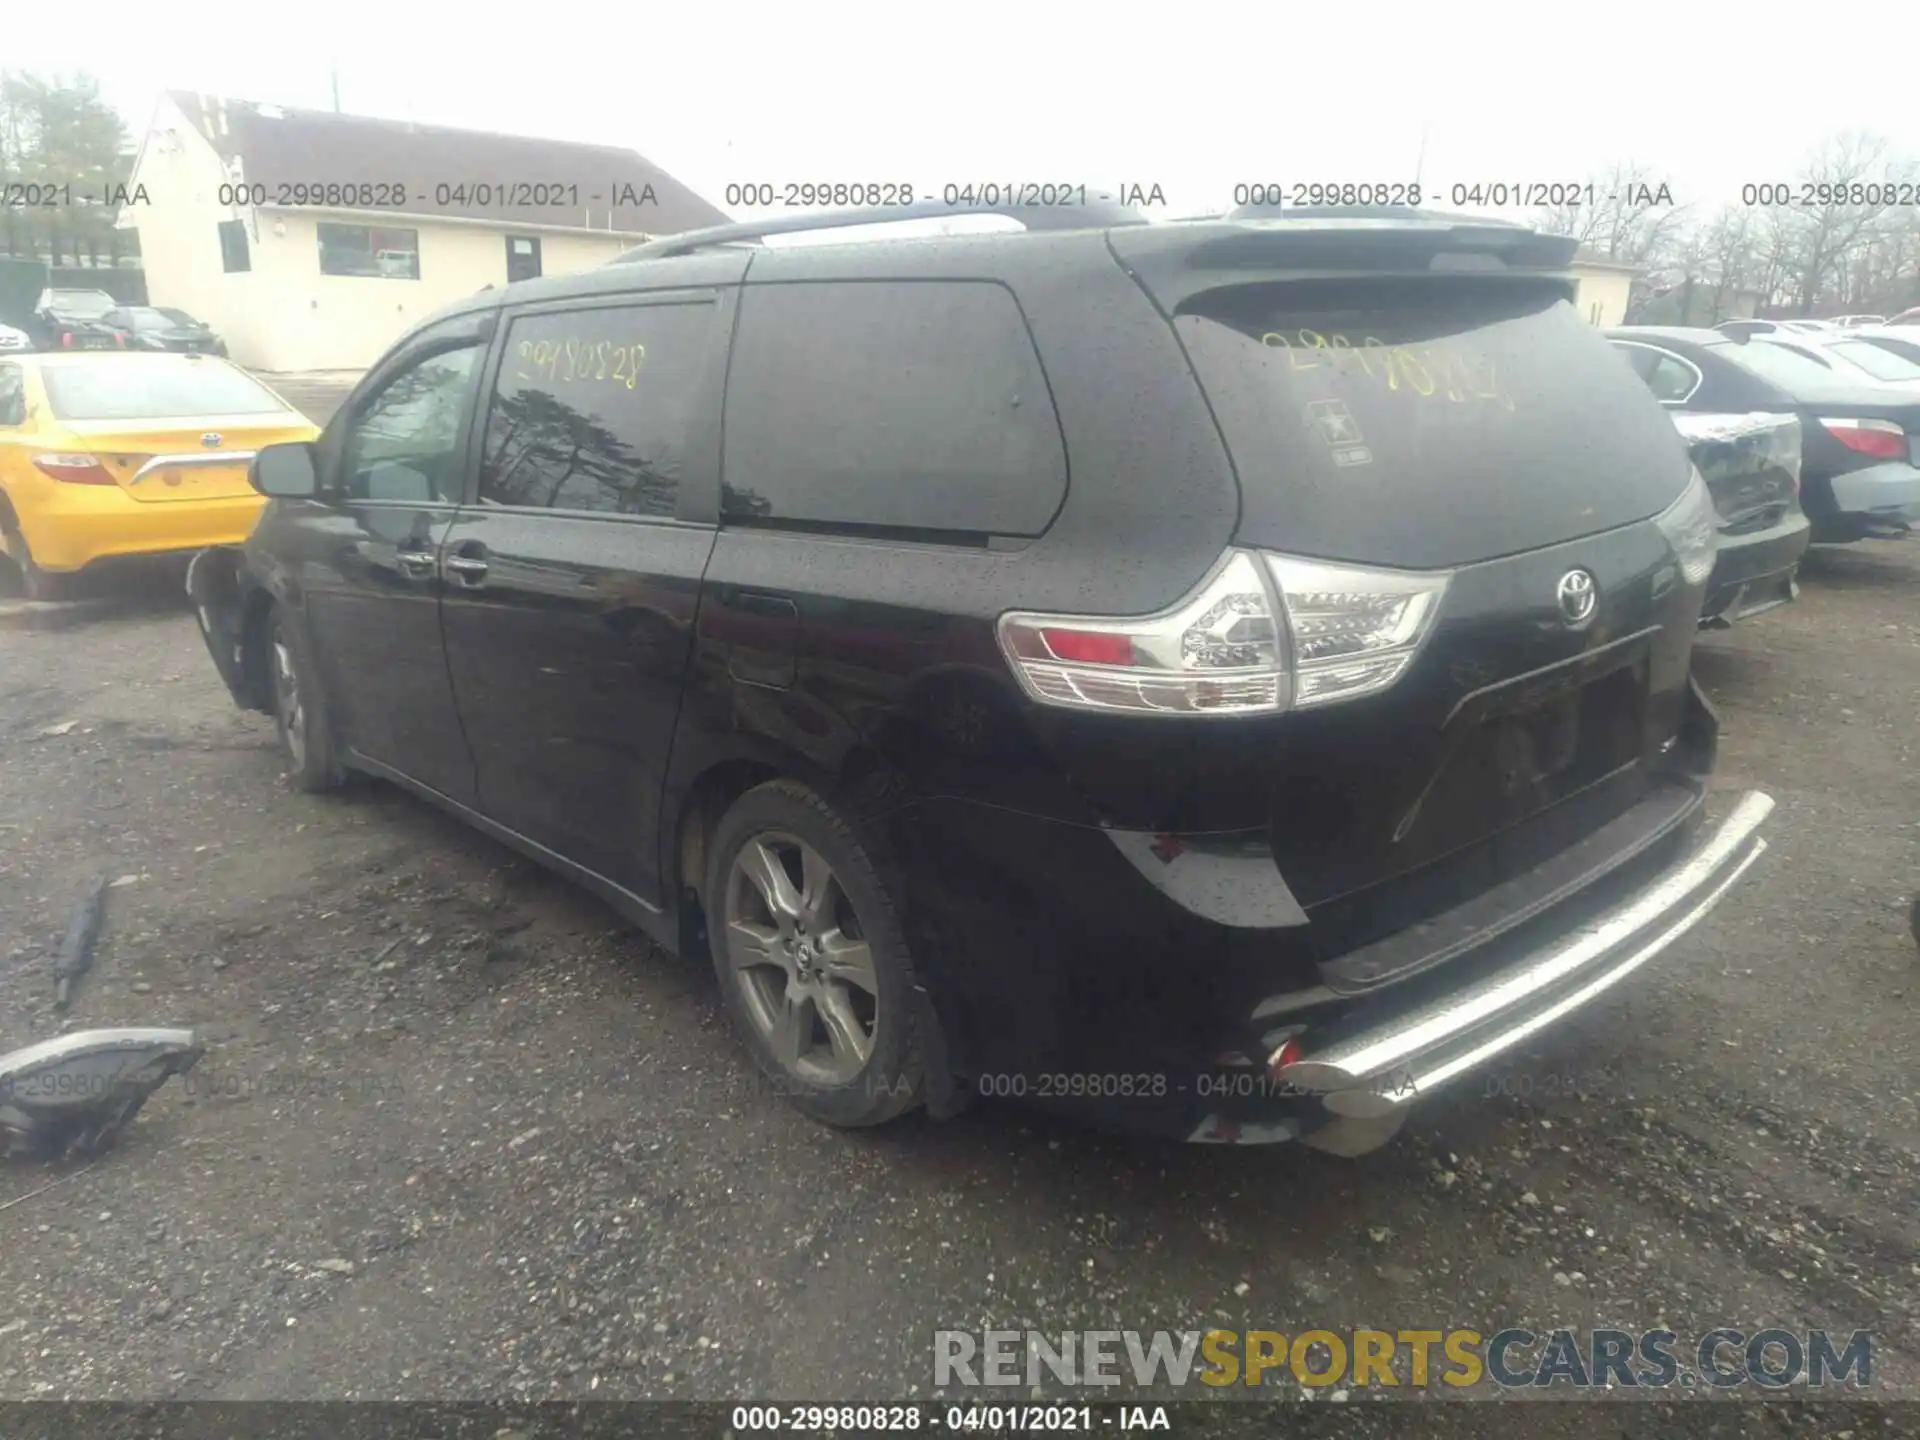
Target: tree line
{"points": [[59, 137], [1840, 234]]}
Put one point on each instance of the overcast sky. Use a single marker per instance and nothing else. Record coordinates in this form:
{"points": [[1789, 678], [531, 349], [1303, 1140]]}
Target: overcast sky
{"points": [[1191, 97]]}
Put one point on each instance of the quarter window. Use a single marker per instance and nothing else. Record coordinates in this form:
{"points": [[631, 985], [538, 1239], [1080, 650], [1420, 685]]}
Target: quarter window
{"points": [[896, 405], [405, 441], [592, 408]]}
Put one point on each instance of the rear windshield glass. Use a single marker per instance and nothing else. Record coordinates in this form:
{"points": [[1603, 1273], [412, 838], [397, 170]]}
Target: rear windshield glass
{"points": [[81, 302], [1783, 366], [1881, 364], [128, 388], [1427, 422]]}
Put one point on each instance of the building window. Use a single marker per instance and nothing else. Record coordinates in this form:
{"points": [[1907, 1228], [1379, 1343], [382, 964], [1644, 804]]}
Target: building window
{"points": [[374, 251], [234, 254], [523, 257]]}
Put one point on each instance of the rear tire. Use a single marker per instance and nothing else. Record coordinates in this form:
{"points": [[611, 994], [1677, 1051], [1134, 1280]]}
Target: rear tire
{"points": [[35, 583], [811, 958], [300, 709]]}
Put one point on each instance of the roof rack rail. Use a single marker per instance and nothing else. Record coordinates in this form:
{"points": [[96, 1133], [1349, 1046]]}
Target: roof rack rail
{"points": [[1100, 211]]}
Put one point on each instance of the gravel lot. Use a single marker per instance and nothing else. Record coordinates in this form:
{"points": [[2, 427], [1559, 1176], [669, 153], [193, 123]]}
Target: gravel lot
{"points": [[462, 1133]]}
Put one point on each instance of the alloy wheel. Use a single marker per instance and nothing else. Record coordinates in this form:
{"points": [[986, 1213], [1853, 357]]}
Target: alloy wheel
{"points": [[801, 959], [286, 698]]}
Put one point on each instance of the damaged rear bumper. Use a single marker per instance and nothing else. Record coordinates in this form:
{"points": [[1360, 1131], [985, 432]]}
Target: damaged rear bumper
{"points": [[1376, 1072]]}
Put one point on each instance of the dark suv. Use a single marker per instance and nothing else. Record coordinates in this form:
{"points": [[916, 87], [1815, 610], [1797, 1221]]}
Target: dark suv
{"points": [[1223, 679]]}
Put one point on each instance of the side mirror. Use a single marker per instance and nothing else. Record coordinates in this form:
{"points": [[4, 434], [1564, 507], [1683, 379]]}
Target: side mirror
{"points": [[285, 471]]}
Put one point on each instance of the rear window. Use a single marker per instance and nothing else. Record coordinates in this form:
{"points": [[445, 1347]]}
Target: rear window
{"points": [[1426, 422], [132, 388], [890, 405], [1881, 364], [1783, 365]]}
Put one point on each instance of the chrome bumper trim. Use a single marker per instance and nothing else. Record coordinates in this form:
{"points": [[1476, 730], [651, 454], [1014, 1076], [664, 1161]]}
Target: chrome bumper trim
{"points": [[1383, 1069], [199, 461]]}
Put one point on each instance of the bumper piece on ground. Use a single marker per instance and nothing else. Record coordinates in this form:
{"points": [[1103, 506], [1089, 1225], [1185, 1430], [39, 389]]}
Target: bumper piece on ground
{"points": [[1383, 1069]]}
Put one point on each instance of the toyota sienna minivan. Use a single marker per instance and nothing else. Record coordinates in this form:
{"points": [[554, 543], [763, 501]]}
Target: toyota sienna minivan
{"points": [[1223, 679]]}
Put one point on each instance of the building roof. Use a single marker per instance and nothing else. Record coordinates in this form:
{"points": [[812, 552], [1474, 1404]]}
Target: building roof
{"points": [[275, 144], [1585, 258]]}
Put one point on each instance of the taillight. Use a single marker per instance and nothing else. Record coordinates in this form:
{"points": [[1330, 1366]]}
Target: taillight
{"points": [[73, 469], [1261, 634], [1882, 439], [66, 339]]}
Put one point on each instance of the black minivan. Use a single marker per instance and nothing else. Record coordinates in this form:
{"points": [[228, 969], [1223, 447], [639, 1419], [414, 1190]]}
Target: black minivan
{"points": [[1224, 679]]}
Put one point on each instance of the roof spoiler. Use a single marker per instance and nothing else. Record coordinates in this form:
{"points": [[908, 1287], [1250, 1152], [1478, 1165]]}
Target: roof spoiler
{"points": [[1176, 261], [1100, 211]]}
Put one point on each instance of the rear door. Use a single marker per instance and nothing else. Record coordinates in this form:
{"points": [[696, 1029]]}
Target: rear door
{"points": [[571, 582]]}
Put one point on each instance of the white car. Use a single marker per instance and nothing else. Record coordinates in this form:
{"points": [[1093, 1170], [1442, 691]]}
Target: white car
{"points": [[1851, 357], [14, 341]]}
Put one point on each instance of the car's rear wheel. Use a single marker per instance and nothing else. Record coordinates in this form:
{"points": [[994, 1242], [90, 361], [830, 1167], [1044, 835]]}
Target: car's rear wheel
{"points": [[35, 583], [299, 709], [811, 958]]}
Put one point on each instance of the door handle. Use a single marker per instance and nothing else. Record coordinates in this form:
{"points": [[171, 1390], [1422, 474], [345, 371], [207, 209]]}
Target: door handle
{"points": [[467, 569], [417, 563]]}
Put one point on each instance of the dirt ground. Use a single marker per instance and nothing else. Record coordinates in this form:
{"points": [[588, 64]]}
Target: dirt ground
{"points": [[462, 1133]]}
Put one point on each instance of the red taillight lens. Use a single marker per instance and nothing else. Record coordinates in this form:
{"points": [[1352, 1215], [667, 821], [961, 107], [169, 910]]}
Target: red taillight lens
{"points": [[66, 339], [73, 469], [1089, 647], [1882, 439]]}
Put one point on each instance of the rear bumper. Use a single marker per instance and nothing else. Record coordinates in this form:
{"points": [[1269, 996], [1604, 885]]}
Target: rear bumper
{"points": [[1755, 572], [1890, 491], [1379, 1070], [70, 527]]}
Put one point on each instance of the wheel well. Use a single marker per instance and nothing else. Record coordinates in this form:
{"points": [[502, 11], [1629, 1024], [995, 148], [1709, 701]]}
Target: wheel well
{"points": [[253, 649], [9, 521], [712, 794]]}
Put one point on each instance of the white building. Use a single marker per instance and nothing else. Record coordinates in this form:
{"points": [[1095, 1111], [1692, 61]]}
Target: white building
{"points": [[310, 240]]}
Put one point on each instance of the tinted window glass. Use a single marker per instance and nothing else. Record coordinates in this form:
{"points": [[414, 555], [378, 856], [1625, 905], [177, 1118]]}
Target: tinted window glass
{"points": [[136, 387], [406, 437], [592, 408], [1671, 379], [1426, 423], [908, 405]]}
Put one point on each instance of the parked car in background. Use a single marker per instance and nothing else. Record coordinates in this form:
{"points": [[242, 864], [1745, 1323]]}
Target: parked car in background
{"points": [[147, 327], [103, 457], [1858, 439], [1852, 322], [1904, 342], [1378, 754], [75, 320], [1751, 463], [13, 341], [1744, 328], [1850, 358]]}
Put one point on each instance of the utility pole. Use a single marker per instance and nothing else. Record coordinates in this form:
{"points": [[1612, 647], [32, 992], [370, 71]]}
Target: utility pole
{"points": [[1419, 164], [333, 74]]}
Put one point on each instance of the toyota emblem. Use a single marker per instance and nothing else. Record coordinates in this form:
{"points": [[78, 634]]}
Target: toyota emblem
{"points": [[1577, 594], [211, 440]]}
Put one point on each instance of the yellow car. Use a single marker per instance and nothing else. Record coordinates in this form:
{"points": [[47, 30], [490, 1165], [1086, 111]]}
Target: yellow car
{"points": [[110, 455]]}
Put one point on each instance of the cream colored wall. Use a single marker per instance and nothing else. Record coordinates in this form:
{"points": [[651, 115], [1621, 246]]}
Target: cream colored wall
{"points": [[345, 322], [179, 227], [1603, 296]]}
